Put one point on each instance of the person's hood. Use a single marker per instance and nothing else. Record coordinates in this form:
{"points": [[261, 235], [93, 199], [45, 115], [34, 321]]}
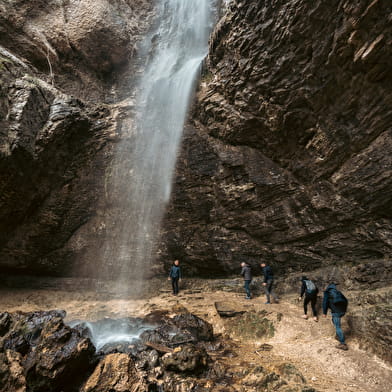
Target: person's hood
{"points": [[331, 286]]}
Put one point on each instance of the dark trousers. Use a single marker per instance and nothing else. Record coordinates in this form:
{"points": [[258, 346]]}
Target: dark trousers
{"points": [[337, 324], [247, 287], [269, 292], [313, 300], [175, 284]]}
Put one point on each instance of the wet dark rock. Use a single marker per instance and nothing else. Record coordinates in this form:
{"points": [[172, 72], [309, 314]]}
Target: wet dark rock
{"points": [[52, 355], [196, 326], [147, 360], [48, 143], [187, 359], [133, 348], [182, 328], [5, 323]]}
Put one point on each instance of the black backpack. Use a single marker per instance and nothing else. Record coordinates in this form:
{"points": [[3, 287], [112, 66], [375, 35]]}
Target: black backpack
{"points": [[338, 301]]}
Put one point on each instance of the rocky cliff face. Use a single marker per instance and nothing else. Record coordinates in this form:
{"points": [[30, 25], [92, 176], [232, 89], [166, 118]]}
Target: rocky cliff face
{"points": [[55, 148], [79, 44], [287, 156]]}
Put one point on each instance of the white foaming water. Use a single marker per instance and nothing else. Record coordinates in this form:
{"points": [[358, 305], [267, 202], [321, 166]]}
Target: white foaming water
{"points": [[112, 331]]}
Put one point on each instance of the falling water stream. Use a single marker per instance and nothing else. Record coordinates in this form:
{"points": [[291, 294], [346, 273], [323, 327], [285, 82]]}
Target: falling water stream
{"points": [[174, 53]]}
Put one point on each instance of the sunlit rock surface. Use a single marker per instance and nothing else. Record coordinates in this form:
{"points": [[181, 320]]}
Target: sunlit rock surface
{"points": [[79, 43]]}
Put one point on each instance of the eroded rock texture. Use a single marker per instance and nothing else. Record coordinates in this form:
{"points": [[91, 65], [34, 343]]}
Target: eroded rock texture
{"points": [[79, 43], [58, 64], [40, 353], [288, 154], [52, 166]]}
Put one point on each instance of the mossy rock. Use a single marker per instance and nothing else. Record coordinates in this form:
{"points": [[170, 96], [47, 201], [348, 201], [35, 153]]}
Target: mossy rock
{"points": [[251, 325]]}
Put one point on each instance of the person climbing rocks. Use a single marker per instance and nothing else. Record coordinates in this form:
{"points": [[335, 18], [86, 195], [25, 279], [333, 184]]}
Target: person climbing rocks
{"points": [[175, 276], [268, 283], [246, 272], [335, 300], [310, 290]]}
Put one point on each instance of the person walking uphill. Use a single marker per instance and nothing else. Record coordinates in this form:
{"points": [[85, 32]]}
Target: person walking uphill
{"points": [[268, 283], [337, 302], [246, 272], [310, 290], [175, 276]]}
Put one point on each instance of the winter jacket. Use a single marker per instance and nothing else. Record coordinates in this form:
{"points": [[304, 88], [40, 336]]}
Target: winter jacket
{"points": [[327, 304], [175, 272], [246, 272], [268, 275]]}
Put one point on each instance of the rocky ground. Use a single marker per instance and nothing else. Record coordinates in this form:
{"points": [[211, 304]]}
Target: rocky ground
{"points": [[273, 337]]}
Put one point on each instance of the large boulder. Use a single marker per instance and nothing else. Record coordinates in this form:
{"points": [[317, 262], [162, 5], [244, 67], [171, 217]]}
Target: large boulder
{"points": [[115, 373], [182, 328], [187, 359], [42, 353]]}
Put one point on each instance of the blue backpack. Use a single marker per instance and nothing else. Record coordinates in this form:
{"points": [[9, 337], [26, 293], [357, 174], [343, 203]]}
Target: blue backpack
{"points": [[338, 300]]}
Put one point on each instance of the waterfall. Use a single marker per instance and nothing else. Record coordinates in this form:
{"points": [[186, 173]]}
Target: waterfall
{"points": [[146, 161]]}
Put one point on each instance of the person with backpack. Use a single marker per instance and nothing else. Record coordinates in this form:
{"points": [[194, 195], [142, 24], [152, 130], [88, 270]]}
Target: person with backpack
{"points": [[175, 276], [268, 283], [337, 302], [246, 272], [310, 290]]}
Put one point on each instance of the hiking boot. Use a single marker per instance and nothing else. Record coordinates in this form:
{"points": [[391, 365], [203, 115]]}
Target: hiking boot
{"points": [[305, 316], [268, 303], [342, 346], [315, 319], [248, 297]]}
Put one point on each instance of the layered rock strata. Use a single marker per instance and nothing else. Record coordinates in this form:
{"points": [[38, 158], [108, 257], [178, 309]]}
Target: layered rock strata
{"points": [[287, 156]]}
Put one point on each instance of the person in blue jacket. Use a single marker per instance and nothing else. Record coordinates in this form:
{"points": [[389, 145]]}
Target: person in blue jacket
{"points": [[175, 276], [268, 283], [338, 310]]}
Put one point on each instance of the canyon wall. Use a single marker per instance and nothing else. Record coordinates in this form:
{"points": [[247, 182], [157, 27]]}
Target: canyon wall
{"points": [[287, 156], [60, 119]]}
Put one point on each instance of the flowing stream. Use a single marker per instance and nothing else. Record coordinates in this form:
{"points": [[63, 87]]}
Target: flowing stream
{"points": [[145, 165]]}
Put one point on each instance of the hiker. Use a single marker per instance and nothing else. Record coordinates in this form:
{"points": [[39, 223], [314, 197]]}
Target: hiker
{"points": [[268, 283], [337, 302], [310, 290], [175, 276], [246, 272]]}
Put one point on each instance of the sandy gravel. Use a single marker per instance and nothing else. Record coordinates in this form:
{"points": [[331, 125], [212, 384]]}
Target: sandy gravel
{"points": [[310, 346]]}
